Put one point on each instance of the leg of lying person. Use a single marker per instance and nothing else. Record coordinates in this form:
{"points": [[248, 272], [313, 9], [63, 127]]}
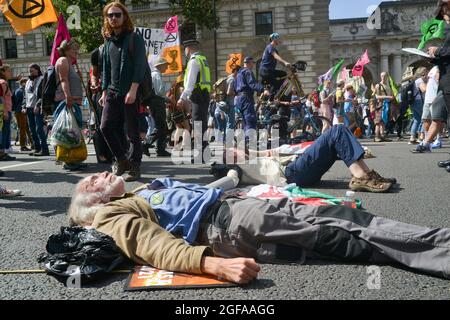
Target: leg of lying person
{"points": [[338, 142], [281, 231]]}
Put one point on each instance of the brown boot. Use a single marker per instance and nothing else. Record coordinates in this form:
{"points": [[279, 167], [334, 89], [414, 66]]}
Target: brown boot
{"points": [[369, 183], [120, 167], [134, 174]]}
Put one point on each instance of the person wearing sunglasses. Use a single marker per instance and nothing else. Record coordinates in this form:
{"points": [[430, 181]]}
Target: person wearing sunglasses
{"points": [[123, 61]]}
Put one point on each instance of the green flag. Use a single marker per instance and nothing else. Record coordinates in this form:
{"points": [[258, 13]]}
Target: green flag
{"points": [[432, 29], [393, 88], [337, 69]]}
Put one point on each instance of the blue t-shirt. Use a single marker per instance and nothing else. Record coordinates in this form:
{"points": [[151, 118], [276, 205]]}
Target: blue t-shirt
{"points": [[180, 206], [268, 62]]}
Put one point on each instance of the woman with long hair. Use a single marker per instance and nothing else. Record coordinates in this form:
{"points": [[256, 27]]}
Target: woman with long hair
{"points": [[6, 100]]}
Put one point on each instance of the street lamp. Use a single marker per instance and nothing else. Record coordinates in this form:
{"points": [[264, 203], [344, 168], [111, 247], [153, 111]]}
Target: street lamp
{"points": [[215, 41]]}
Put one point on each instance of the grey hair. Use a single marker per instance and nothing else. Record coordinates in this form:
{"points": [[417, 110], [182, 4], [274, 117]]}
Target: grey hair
{"points": [[84, 205]]}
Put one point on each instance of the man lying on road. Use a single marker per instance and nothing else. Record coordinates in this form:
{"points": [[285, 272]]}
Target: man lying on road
{"points": [[307, 169], [189, 228]]}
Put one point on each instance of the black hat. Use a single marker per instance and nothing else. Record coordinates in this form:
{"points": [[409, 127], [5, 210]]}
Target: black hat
{"points": [[191, 42], [439, 7], [248, 59]]}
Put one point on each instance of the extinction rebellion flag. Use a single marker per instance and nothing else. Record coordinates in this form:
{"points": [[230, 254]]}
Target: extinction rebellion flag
{"points": [[27, 15], [432, 29]]}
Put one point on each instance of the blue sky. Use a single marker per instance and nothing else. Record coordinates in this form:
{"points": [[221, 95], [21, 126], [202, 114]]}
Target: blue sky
{"points": [[342, 9]]}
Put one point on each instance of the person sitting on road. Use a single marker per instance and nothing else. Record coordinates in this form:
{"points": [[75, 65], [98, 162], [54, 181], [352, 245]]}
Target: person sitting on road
{"points": [[189, 228], [267, 70], [307, 170]]}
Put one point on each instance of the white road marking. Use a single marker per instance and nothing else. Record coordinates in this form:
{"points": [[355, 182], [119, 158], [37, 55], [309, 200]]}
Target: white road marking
{"points": [[21, 165]]}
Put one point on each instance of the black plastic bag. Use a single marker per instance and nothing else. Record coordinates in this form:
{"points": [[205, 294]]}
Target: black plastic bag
{"points": [[93, 252]]}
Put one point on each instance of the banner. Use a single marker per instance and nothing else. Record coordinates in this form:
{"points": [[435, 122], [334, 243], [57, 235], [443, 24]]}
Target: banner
{"points": [[62, 33], [234, 61], [358, 69], [158, 42], [332, 74], [27, 15], [393, 88], [432, 29]]}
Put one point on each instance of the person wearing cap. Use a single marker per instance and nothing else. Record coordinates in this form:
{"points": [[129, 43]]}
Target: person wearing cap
{"points": [[267, 69], [22, 121], [246, 86], [197, 85], [158, 108], [442, 59]]}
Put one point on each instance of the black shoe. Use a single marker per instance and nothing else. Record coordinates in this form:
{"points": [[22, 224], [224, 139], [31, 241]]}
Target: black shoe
{"points": [[7, 157], [72, 166], [42, 154], [145, 149], [164, 154], [134, 174], [444, 164]]}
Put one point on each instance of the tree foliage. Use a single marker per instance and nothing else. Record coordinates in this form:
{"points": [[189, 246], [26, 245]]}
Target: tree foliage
{"points": [[200, 12]]}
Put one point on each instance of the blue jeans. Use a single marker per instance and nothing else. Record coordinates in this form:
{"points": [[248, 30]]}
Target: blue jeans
{"points": [[5, 136], [36, 123], [231, 122], [336, 143], [417, 109]]}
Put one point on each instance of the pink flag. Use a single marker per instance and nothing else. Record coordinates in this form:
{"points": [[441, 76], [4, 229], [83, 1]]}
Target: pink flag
{"points": [[358, 69], [62, 33], [344, 74], [171, 25]]}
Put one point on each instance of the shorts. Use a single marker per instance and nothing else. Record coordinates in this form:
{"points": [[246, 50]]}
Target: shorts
{"points": [[439, 108], [426, 114]]}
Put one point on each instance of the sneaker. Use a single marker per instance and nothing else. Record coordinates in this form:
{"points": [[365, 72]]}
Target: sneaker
{"points": [[400, 138], [413, 142], [436, 145], [24, 149], [5, 193], [378, 139], [369, 183], [422, 149]]}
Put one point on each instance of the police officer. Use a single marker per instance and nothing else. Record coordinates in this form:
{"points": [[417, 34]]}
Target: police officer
{"points": [[197, 85], [246, 86]]}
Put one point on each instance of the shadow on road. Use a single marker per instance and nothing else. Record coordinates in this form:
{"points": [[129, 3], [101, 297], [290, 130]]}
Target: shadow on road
{"points": [[47, 207]]}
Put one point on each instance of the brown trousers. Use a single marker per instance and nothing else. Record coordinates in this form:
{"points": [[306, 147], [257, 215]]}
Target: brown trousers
{"points": [[24, 129]]}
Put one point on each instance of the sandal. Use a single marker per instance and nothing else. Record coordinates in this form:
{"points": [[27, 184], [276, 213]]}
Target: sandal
{"points": [[369, 183]]}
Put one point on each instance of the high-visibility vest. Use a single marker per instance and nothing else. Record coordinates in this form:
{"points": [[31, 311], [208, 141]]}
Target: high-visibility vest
{"points": [[205, 73]]}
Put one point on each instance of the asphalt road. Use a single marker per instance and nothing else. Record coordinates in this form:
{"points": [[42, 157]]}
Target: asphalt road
{"points": [[421, 198]]}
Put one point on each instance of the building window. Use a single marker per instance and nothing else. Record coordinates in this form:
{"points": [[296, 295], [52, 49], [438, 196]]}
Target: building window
{"points": [[10, 48], [49, 46], [264, 23]]}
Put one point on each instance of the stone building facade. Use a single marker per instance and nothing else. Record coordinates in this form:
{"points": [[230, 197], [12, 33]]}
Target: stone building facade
{"points": [[245, 26], [399, 28]]}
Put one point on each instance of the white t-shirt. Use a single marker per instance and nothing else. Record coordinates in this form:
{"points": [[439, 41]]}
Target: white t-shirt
{"points": [[432, 85], [418, 95]]}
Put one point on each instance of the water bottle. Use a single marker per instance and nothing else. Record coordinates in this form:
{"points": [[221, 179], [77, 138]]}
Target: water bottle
{"points": [[348, 200]]}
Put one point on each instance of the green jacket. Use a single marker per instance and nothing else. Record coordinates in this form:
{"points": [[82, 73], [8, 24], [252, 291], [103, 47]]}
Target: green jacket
{"points": [[132, 69]]}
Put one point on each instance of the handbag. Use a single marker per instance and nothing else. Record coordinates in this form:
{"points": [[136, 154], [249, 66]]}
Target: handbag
{"points": [[75, 155]]}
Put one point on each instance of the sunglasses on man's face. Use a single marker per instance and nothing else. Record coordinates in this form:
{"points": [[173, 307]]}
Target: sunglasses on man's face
{"points": [[118, 15]]}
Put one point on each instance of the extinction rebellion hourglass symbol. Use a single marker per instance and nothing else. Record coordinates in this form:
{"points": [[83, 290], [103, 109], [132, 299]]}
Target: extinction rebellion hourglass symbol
{"points": [[27, 9]]}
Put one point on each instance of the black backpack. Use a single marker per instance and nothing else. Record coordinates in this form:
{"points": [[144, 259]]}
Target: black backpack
{"points": [[47, 90], [407, 94], [146, 86]]}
